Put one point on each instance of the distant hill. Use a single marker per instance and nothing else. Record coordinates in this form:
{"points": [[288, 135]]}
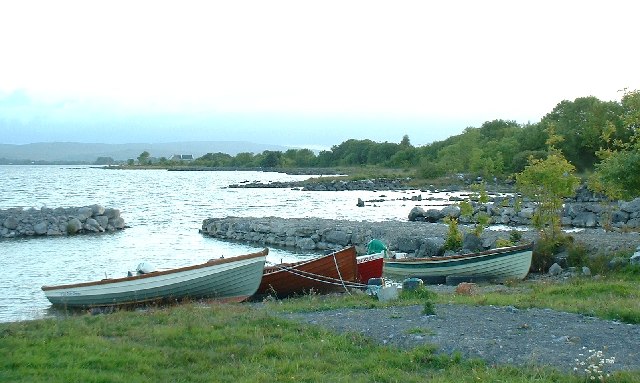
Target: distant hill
{"points": [[89, 152]]}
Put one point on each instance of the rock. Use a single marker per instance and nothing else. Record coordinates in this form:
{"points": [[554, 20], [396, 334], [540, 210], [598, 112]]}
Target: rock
{"points": [[92, 225], [408, 244], [415, 213], [117, 223], [452, 211], [97, 210], [635, 258], [306, 244], [555, 269], [411, 284], [360, 203], [586, 271], [617, 262], [631, 207], [339, 237], [472, 242], [431, 247], [84, 213], [40, 228], [11, 223], [433, 215], [73, 226], [466, 288], [102, 220], [388, 293]]}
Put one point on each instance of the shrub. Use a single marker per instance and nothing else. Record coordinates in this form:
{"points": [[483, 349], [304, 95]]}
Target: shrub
{"points": [[544, 250], [501, 242], [577, 255], [454, 236]]}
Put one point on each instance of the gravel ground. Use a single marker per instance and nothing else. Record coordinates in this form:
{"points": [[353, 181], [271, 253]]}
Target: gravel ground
{"points": [[497, 335]]}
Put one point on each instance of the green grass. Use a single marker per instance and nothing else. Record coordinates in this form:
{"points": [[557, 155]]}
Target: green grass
{"points": [[251, 343], [614, 297]]}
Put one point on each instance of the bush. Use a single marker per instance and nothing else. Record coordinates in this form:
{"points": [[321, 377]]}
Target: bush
{"points": [[544, 251], [454, 236], [577, 255]]}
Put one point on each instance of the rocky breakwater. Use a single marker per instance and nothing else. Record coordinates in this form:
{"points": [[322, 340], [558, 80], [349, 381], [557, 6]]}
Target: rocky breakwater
{"points": [[331, 185], [417, 239], [315, 234], [19, 222], [583, 211]]}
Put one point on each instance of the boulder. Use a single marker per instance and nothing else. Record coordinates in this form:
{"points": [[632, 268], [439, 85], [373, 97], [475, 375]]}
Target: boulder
{"points": [[305, 244], [40, 228], [433, 215], [11, 223], [338, 236], [555, 269], [635, 258], [92, 225], [631, 206], [431, 247], [472, 243], [73, 226], [97, 210], [415, 213], [408, 244], [452, 211], [83, 213]]}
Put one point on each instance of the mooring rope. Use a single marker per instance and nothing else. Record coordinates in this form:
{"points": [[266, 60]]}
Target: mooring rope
{"points": [[320, 278], [335, 261]]}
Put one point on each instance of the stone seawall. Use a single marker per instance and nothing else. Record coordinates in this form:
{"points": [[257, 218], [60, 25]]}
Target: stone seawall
{"points": [[414, 238], [508, 211], [19, 222]]}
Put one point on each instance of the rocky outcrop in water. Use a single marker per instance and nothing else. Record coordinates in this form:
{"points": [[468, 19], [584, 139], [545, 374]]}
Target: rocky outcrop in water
{"points": [[19, 222], [414, 238], [331, 185], [578, 212]]}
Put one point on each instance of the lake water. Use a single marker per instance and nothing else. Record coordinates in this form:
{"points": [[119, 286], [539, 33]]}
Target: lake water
{"points": [[164, 211]]}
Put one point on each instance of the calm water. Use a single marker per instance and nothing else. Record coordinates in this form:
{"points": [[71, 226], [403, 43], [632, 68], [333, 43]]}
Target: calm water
{"points": [[164, 211]]}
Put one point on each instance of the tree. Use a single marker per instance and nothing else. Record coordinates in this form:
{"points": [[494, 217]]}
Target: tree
{"points": [[104, 161], [616, 174], [547, 182], [143, 158], [271, 159], [581, 123]]}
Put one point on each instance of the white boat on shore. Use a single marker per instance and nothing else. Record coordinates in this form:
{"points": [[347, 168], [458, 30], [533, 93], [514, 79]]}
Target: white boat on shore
{"points": [[497, 265], [227, 279]]}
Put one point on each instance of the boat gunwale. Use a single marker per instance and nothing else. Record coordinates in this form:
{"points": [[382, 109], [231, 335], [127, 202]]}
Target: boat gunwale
{"points": [[209, 263]]}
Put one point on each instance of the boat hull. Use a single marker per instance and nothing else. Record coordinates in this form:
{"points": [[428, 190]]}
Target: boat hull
{"points": [[319, 275], [369, 266], [230, 279], [496, 265]]}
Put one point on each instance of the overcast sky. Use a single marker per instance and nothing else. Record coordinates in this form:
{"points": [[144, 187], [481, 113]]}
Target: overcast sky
{"points": [[302, 73]]}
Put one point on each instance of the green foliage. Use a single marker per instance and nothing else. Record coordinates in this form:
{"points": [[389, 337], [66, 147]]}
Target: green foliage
{"points": [[543, 253], [547, 182], [610, 297], [577, 255], [501, 242], [143, 158], [482, 218], [515, 236], [454, 235], [581, 123]]}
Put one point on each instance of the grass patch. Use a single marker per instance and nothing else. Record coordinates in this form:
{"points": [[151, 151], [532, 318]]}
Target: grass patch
{"points": [[613, 297], [192, 342], [223, 343]]}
